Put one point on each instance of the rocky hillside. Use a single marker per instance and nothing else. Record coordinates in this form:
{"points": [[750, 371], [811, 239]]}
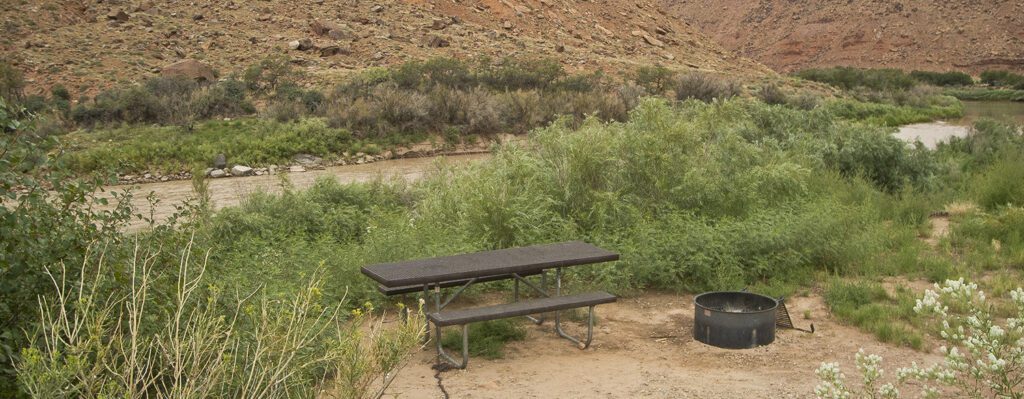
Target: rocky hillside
{"points": [[92, 44], [789, 35]]}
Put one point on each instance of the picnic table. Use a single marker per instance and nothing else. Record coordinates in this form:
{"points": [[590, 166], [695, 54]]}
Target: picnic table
{"points": [[462, 271]]}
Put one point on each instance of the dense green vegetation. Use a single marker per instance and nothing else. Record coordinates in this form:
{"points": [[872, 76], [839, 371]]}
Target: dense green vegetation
{"points": [[895, 85], [696, 195], [378, 109], [986, 94], [943, 78], [1003, 79]]}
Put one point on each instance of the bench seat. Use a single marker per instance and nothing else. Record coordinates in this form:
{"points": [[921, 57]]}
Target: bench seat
{"points": [[448, 284], [507, 310]]}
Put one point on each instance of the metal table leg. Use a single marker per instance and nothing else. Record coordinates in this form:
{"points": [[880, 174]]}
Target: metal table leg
{"points": [[558, 322]]}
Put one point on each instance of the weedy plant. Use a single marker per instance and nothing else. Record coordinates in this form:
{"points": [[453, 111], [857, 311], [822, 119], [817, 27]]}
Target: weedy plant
{"points": [[984, 356], [193, 340]]}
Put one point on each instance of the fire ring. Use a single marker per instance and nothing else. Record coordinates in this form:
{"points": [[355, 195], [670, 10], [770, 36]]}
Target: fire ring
{"points": [[734, 319]]}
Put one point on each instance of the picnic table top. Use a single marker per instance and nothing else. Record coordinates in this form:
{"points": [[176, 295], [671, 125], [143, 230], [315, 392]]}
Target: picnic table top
{"points": [[487, 263]]}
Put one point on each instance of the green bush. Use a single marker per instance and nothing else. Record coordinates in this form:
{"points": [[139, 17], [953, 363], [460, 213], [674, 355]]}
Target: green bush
{"points": [[487, 339], [772, 94], [521, 74], [943, 78], [56, 219], [426, 75], [656, 79], [704, 87], [1001, 78], [1002, 183], [11, 83], [850, 78], [250, 141], [265, 76], [884, 159], [164, 100]]}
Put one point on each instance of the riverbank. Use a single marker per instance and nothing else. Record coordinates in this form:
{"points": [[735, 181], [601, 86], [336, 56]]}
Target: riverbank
{"points": [[986, 94]]}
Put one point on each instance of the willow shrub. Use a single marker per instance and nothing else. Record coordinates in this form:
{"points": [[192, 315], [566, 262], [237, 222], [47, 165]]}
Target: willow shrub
{"points": [[695, 196], [703, 196]]}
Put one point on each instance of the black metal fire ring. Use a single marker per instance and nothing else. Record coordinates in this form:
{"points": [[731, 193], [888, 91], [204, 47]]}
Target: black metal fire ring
{"points": [[734, 319]]}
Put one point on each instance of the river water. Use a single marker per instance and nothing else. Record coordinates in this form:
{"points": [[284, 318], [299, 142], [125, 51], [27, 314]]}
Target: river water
{"points": [[232, 191], [932, 133]]}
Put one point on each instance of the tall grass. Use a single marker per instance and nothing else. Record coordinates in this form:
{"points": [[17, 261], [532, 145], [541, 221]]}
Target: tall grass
{"points": [[201, 340]]}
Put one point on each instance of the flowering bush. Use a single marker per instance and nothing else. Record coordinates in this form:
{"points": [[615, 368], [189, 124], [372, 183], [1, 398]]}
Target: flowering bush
{"points": [[983, 358]]}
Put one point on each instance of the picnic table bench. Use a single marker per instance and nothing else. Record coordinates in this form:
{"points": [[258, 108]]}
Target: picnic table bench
{"points": [[464, 270]]}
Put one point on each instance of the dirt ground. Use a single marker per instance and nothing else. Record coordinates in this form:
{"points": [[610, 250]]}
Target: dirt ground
{"points": [[643, 348]]}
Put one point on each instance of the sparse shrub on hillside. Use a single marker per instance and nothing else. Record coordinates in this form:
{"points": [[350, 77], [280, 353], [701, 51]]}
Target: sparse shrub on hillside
{"points": [[630, 93], [580, 83], [284, 110], [357, 115], [310, 99], [426, 75], [953, 78], [11, 83], [655, 78], [772, 94], [265, 76], [804, 101], [704, 87], [521, 74]]}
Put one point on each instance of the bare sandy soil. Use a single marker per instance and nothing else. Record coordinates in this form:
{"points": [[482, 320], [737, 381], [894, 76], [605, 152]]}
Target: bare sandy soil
{"points": [[643, 348]]}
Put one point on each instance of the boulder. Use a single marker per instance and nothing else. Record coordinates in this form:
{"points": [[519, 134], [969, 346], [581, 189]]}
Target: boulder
{"points": [[241, 170], [296, 169], [190, 69], [217, 173], [119, 16], [436, 41], [301, 44], [328, 28], [307, 159], [334, 50], [438, 24]]}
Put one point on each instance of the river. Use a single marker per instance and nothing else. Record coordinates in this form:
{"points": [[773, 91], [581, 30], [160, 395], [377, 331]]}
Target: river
{"points": [[932, 133], [231, 191]]}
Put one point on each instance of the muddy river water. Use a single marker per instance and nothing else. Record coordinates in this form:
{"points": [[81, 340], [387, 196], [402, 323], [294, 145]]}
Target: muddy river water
{"points": [[932, 133], [231, 191]]}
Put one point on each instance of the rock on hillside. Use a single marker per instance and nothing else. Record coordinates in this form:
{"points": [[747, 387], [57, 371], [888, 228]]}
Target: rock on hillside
{"points": [[77, 43], [912, 34]]}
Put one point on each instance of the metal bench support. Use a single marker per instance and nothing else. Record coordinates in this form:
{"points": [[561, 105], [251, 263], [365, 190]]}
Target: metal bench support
{"points": [[558, 319], [542, 290], [442, 355]]}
